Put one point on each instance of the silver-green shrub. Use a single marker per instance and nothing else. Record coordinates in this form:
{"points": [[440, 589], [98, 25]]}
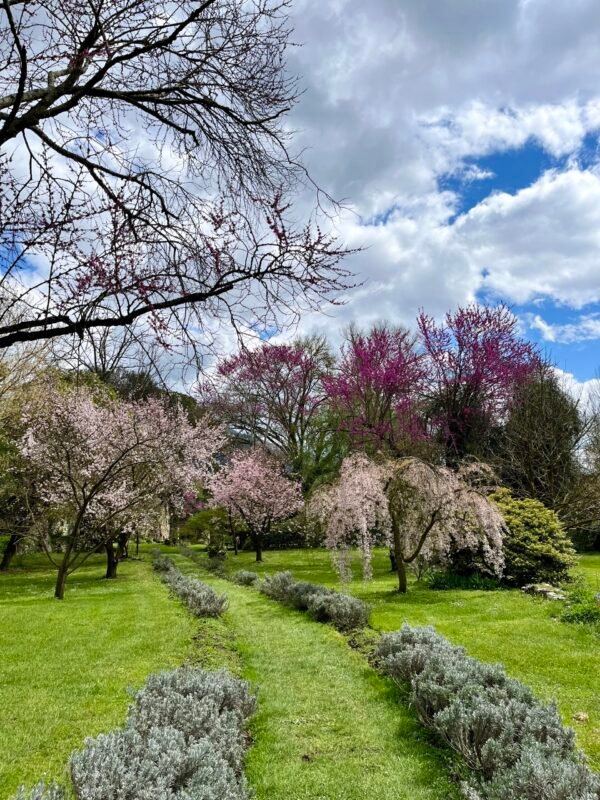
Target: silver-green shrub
{"points": [[344, 612], [41, 791], [245, 577], [278, 586], [502, 731], [184, 739], [200, 599], [162, 563]]}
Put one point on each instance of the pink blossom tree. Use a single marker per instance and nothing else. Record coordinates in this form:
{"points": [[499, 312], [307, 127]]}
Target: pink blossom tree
{"points": [[426, 513], [475, 360], [375, 388], [101, 466], [253, 488], [274, 396]]}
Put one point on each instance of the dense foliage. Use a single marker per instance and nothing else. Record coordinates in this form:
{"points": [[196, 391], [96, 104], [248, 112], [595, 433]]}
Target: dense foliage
{"points": [[536, 547], [515, 746]]}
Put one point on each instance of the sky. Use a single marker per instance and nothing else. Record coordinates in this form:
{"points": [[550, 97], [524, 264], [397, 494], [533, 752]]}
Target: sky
{"points": [[464, 138]]}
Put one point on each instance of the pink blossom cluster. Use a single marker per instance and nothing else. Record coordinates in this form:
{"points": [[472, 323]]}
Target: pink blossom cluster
{"points": [[255, 490], [102, 463]]}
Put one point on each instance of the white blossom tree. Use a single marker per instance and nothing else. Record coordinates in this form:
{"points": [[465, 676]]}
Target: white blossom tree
{"points": [[425, 512]]}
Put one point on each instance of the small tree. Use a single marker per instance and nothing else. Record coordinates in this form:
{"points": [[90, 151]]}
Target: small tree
{"points": [[255, 490], [426, 512], [100, 465]]}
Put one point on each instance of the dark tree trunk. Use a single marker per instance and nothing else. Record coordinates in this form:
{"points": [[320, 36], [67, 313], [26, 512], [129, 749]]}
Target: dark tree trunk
{"points": [[123, 546], [61, 578], [393, 565], [399, 557], [258, 546], [112, 561], [10, 550]]}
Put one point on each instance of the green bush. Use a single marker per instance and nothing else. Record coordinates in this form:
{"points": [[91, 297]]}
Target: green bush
{"points": [[445, 579], [582, 605], [536, 547]]}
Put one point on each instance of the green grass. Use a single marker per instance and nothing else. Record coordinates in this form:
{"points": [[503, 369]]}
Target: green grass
{"points": [[66, 665], [559, 661], [327, 728]]}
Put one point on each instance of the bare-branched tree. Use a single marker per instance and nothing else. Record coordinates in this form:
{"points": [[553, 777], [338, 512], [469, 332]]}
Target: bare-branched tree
{"points": [[146, 171]]}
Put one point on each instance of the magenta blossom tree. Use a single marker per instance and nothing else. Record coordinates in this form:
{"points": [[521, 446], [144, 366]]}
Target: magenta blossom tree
{"points": [[253, 488], [102, 466], [376, 386], [274, 396], [426, 513], [475, 361]]}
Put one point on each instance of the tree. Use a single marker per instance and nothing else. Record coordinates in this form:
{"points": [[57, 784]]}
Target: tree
{"points": [[541, 442], [274, 396], [145, 166], [475, 361], [426, 512], [375, 389], [255, 490], [101, 466]]}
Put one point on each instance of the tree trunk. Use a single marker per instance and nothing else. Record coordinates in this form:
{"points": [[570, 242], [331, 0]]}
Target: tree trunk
{"points": [[112, 561], [9, 551], [123, 546], [61, 578], [393, 565], [402, 581], [399, 558], [258, 546]]}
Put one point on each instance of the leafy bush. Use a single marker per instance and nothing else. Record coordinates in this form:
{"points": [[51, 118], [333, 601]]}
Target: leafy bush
{"points": [[184, 740], [344, 612], [536, 547], [244, 577], [41, 791], [582, 605], [216, 565], [444, 579], [503, 733]]}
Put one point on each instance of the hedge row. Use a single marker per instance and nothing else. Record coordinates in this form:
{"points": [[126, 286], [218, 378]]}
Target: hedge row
{"points": [[201, 600], [343, 611], [184, 739], [516, 747]]}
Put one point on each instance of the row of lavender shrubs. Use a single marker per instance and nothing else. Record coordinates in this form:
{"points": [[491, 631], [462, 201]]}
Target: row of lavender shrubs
{"points": [[515, 746], [184, 739], [344, 612], [200, 599]]}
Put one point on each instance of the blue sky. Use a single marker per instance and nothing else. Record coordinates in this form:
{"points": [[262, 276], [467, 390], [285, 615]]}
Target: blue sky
{"points": [[465, 148]]}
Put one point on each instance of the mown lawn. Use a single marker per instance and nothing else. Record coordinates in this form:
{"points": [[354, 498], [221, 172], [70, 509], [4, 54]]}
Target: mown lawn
{"points": [[559, 661], [66, 666], [327, 727]]}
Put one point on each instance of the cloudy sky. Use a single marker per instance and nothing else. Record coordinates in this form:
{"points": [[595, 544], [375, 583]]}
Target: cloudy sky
{"points": [[463, 136]]}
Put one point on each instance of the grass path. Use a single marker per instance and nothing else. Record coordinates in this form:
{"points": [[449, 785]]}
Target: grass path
{"points": [[558, 661], [328, 728]]}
